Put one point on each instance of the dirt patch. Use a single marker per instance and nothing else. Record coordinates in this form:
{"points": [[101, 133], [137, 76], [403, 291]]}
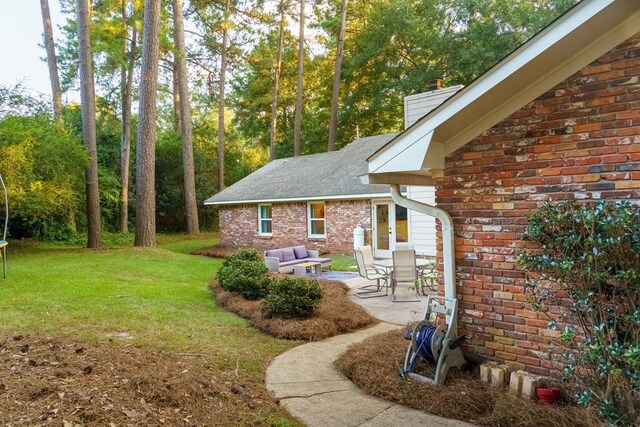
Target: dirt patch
{"points": [[45, 381], [336, 314], [374, 364]]}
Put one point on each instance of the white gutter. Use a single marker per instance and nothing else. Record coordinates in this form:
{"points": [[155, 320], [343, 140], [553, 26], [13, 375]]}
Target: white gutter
{"points": [[448, 252], [301, 199]]}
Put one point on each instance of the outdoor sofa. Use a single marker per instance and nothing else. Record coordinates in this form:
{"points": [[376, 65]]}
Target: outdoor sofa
{"points": [[282, 260]]}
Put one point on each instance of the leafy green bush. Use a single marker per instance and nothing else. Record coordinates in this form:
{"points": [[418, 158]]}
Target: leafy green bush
{"points": [[244, 272], [42, 165], [292, 298], [587, 264]]}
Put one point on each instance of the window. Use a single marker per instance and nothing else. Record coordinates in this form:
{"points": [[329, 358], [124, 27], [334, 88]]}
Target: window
{"points": [[316, 220], [264, 220]]}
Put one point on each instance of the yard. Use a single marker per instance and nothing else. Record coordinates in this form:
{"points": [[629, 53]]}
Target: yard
{"points": [[127, 335]]}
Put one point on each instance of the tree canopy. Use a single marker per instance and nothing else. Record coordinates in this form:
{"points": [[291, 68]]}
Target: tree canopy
{"points": [[392, 48]]}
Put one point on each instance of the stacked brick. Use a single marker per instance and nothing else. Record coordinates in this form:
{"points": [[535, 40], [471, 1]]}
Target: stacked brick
{"points": [[579, 140], [239, 225]]}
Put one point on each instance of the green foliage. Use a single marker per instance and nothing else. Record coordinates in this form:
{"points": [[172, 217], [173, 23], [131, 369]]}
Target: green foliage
{"points": [[292, 298], [108, 136], [244, 272], [42, 165], [587, 263], [252, 96], [170, 204], [392, 49]]}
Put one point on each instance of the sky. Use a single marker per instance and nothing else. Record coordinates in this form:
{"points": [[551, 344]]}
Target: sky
{"points": [[20, 36]]}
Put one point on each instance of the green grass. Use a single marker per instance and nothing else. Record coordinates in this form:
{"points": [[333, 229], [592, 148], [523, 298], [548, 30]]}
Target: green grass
{"points": [[342, 262], [157, 296]]}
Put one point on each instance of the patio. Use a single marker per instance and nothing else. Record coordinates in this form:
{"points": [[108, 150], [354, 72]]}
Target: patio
{"points": [[382, 308]]}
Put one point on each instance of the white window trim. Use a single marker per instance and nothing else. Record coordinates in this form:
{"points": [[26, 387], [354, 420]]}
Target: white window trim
{"points": [[260, 219], [323, 219]]}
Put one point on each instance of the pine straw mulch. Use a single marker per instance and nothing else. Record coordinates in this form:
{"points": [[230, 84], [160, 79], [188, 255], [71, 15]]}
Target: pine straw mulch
{"points": [[219, 251], [373, 366], [47, 381], [335, 315]]}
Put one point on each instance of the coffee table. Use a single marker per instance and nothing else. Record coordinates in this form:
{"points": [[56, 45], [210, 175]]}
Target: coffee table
{"points": [[311, 266]]}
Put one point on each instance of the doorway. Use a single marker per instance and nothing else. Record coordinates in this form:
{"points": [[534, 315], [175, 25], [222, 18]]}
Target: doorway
{"points": [[390, 226]]}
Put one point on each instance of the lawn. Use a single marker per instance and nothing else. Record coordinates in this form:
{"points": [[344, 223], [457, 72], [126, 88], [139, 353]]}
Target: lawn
{"points": [[156, 299]]}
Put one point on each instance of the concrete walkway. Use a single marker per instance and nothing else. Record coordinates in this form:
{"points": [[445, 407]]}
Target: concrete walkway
{"points": [[313, 391]]}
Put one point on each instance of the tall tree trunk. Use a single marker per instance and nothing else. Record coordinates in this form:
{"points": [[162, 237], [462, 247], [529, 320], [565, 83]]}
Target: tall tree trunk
{"points": [[88, 105], [49, 46], [276, 81], [185, 125], [333, 120], [177, 120], [297, 126], [146, 143], [125, 146], [221, 101]]}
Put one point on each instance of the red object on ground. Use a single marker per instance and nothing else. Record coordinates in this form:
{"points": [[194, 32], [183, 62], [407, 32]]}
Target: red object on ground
{"points": [[548, 395]]}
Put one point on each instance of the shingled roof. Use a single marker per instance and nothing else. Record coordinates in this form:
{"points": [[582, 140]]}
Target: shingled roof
{"points": [[323, 176]]}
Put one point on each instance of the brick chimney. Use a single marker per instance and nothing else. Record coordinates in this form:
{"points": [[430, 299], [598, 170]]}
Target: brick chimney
{"points": [[434, 84]]}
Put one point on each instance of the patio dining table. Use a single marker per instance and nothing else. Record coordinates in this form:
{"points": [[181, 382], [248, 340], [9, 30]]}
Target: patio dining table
{"points": [[387, 265]]}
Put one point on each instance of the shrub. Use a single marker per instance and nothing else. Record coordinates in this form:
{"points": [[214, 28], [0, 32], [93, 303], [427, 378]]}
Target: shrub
{"points": [[292, 298], [587, 264], [245, 273]]}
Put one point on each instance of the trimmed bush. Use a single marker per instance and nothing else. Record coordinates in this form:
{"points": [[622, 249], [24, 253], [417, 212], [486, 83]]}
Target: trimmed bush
{"points": [[292, 298], [245, 273]]}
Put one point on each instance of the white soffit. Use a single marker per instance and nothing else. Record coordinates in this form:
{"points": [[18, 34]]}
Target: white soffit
{"points": [[577, 38], [402, 157]]}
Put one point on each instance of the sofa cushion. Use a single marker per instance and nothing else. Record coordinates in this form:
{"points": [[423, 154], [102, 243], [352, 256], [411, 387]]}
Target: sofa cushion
{"points": [[292, 262], [300, 251], [288, 254], [277, 253]]}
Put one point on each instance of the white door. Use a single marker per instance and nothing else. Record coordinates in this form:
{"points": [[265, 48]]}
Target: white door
{"points": [[390, 226]]}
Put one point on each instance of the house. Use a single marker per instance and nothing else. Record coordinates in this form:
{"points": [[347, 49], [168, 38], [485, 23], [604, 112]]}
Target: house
{"points": [[318, 200], [558, 118]]}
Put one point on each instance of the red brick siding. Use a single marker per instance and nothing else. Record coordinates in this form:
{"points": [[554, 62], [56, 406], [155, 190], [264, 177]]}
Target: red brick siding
{"points": [[239, 225], [579, 140]]}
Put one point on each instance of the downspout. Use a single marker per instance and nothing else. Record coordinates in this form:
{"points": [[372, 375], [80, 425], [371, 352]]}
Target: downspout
{"points": [[448, 252]]}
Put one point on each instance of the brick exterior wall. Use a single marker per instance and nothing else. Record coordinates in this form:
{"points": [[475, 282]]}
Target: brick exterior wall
{"points": [[579, 140], [239, 225]]}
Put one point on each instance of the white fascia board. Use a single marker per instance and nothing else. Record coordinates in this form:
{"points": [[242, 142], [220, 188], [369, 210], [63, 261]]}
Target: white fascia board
{"points": [[302, 199], [398, 152]]}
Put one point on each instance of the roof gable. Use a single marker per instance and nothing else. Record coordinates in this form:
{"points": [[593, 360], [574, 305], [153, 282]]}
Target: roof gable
{"points": [[577, 38]]}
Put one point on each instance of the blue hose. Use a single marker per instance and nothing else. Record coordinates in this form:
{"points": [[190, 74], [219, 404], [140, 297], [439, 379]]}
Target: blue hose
{"points": [[424, 338]]}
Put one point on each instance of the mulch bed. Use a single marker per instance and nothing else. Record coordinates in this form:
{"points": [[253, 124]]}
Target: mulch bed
{"points": [[218, 251], [46, 381], [335, 315], [373, 366]]}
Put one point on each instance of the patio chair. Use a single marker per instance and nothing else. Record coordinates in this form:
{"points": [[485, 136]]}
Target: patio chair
{"points": [[370, 272], [404, 272], [428, 278]]}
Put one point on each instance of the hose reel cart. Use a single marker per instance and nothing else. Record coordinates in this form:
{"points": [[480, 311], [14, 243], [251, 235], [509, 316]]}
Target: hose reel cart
{"points": [[438, 344]]}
